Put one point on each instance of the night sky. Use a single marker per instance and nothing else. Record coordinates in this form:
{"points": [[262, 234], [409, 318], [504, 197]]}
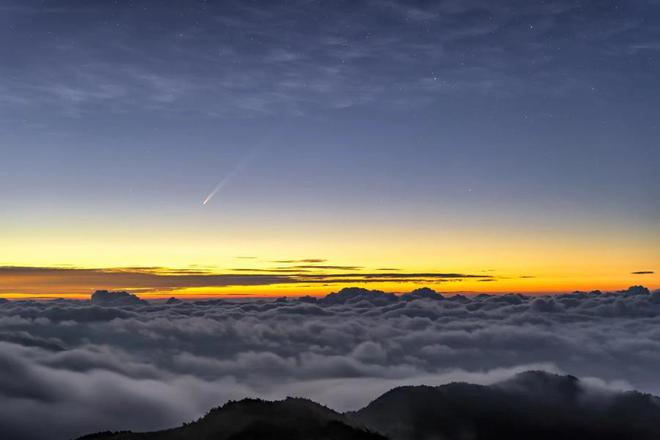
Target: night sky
{"points": [[467, 145]]}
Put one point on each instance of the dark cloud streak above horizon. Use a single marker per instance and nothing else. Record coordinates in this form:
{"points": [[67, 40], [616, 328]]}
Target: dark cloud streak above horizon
{"points": [[49, 280]]}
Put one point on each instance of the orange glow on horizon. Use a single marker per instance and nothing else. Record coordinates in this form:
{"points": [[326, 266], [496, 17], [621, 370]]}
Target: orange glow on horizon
{"points": [[501, 286], [162, 261]]}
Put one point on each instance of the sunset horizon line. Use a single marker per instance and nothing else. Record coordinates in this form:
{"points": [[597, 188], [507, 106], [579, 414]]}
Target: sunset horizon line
{"points": [[164, 295]]}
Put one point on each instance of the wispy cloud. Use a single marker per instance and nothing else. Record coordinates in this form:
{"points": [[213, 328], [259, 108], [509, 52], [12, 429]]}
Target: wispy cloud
{"points": [[273, 63]]}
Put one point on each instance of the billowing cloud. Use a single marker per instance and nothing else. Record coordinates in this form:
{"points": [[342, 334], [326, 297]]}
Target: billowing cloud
{"points": [[157, 364]]}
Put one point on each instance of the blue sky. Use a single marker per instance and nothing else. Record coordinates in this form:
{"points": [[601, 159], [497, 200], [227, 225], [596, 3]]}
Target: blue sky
{"points": [[504, 117]]}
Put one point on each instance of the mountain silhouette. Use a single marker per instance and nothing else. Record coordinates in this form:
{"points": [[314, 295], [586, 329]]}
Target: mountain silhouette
{"points": [[251, 419], [532, 405]]}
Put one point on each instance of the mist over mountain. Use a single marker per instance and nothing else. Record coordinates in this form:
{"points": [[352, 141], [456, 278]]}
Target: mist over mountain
{"points": [[530, 405], [533, 404]]}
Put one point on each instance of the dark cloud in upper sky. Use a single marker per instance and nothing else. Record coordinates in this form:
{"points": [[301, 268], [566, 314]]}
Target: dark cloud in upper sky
{"points": [[643, 272], [255, 57]]}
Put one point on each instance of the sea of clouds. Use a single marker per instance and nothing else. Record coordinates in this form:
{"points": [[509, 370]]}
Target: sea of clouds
{"points": [[72, 367]]}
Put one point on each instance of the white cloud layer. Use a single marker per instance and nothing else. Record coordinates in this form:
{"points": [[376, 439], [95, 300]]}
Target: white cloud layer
{"points": [[78, 367]]}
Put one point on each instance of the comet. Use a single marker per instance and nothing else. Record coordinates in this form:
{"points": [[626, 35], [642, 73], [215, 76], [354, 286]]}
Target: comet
{"points": [[231, 174], [245, 161], [217, 188]]}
